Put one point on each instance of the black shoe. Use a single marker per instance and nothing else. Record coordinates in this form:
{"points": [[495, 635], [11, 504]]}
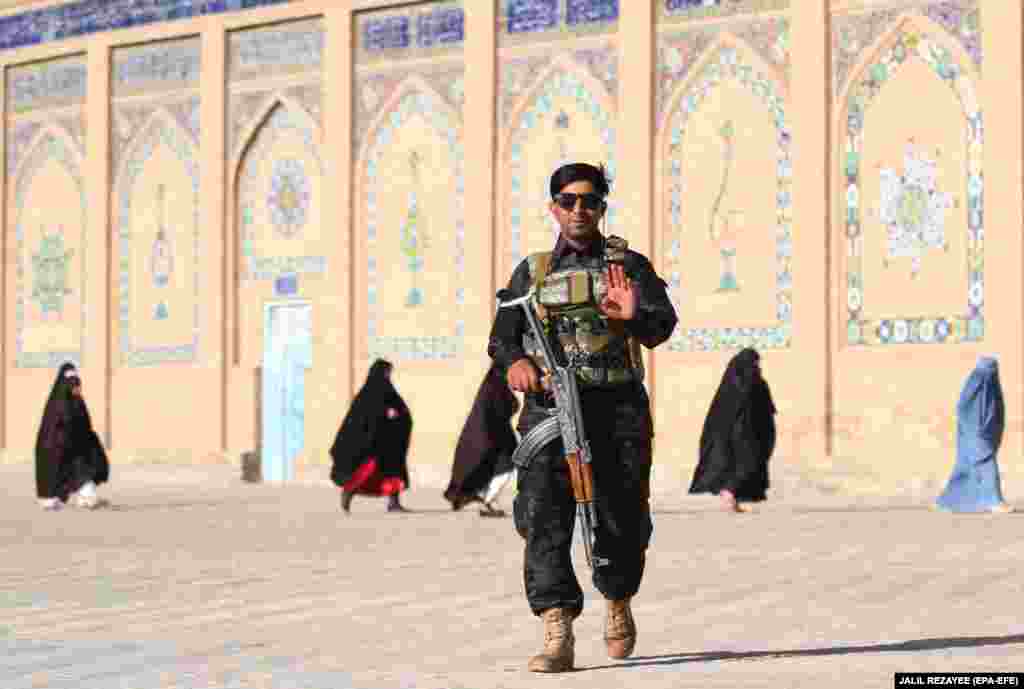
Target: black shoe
{"points": [[394, 505], [346, 501]]}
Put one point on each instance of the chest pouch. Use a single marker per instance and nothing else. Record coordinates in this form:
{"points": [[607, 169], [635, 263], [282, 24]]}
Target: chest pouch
{"points": [[569, 291]]}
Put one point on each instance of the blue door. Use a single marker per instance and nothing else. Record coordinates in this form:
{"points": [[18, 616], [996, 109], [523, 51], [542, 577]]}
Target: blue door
{"points": [[287, 354]]}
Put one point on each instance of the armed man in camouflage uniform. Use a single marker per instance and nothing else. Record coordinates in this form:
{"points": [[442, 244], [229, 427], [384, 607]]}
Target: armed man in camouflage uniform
{"points": [[601, 301]]}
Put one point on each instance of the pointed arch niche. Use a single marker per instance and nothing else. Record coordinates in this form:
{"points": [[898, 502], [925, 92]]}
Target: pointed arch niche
{"points": [[567, 115], [49, 207], [723, 202], [157, 244], [278, 215], [909, 192], [409, 186]]}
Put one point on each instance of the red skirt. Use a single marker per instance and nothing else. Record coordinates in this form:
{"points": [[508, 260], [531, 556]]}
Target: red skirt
{"points": [[368, 481]]}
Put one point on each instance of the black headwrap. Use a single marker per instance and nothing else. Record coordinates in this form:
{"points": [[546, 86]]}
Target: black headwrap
{"points": [[54, 437], [738, 436]]}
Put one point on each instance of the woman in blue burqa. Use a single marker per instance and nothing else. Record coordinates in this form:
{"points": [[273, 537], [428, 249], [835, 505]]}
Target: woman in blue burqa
{"points": [[371, 447], [738, 437], [70, 460], [981, 413]]}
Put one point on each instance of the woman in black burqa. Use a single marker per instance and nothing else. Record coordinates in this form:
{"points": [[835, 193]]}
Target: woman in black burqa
{"points": [[70, 460], [372, 445], [483, 454], [738, 436]]}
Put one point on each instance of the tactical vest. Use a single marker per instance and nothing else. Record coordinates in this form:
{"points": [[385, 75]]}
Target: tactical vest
{"points": [[567, 299]]}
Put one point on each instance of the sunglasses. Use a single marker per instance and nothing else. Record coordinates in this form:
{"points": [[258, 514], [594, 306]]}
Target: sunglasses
{"points": [[567, 201]]}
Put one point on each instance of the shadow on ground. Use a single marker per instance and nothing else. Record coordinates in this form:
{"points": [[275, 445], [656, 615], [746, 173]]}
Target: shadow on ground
{"points": [[917, 645]]}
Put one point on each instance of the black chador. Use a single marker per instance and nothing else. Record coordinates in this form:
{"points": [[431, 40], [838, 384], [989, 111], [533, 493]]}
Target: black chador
{"points": [[483, 455], [371, 447], [738, 436], [70, 460]]}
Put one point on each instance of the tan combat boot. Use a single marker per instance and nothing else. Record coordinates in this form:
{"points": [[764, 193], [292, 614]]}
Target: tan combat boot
{"points": [[620, 629], [558, 653]]}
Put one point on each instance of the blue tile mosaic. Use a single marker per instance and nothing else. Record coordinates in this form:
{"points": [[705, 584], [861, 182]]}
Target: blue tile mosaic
{"points": [[588, 11], [85, 17], [386, 33], [525, 16], [440, 26]]}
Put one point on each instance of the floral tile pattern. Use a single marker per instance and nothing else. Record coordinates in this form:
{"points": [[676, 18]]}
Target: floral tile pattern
{"points": [[288, 211], [728, 64], [162, 130], [519, 73], [388, 91], [679, 51], [447, 124], [969, 325], [853, 33], [48, 147]]}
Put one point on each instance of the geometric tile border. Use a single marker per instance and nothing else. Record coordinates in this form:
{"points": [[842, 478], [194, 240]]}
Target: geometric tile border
{"points": [[968, 326], [728, 64], [162, 129], [446, 123], [48, 146]]}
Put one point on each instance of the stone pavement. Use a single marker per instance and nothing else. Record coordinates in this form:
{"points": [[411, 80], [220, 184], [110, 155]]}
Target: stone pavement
{"points": [[193, 579]]}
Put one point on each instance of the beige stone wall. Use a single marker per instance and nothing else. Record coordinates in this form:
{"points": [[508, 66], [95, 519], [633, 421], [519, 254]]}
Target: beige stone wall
{"points": [[834, 183]]}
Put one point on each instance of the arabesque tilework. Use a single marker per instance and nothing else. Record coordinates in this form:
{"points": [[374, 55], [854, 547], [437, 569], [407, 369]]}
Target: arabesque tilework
{"points": [[385, 41], [708, 48], [46, 122], [48, 146], [907, 44], [275, 93], [854, 32], [728, 63], [162, 130], [154, 89], [288, 219]]}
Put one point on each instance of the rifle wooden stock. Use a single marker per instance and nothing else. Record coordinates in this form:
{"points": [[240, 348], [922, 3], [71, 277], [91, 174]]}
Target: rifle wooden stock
{"points": [[582, 477]]}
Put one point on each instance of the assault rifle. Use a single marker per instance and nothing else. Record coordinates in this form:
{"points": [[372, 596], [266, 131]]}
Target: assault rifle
{"points": [[566, 422]]}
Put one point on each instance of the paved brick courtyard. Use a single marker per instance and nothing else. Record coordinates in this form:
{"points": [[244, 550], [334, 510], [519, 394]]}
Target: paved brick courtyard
{"points": [[193, 579]]}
